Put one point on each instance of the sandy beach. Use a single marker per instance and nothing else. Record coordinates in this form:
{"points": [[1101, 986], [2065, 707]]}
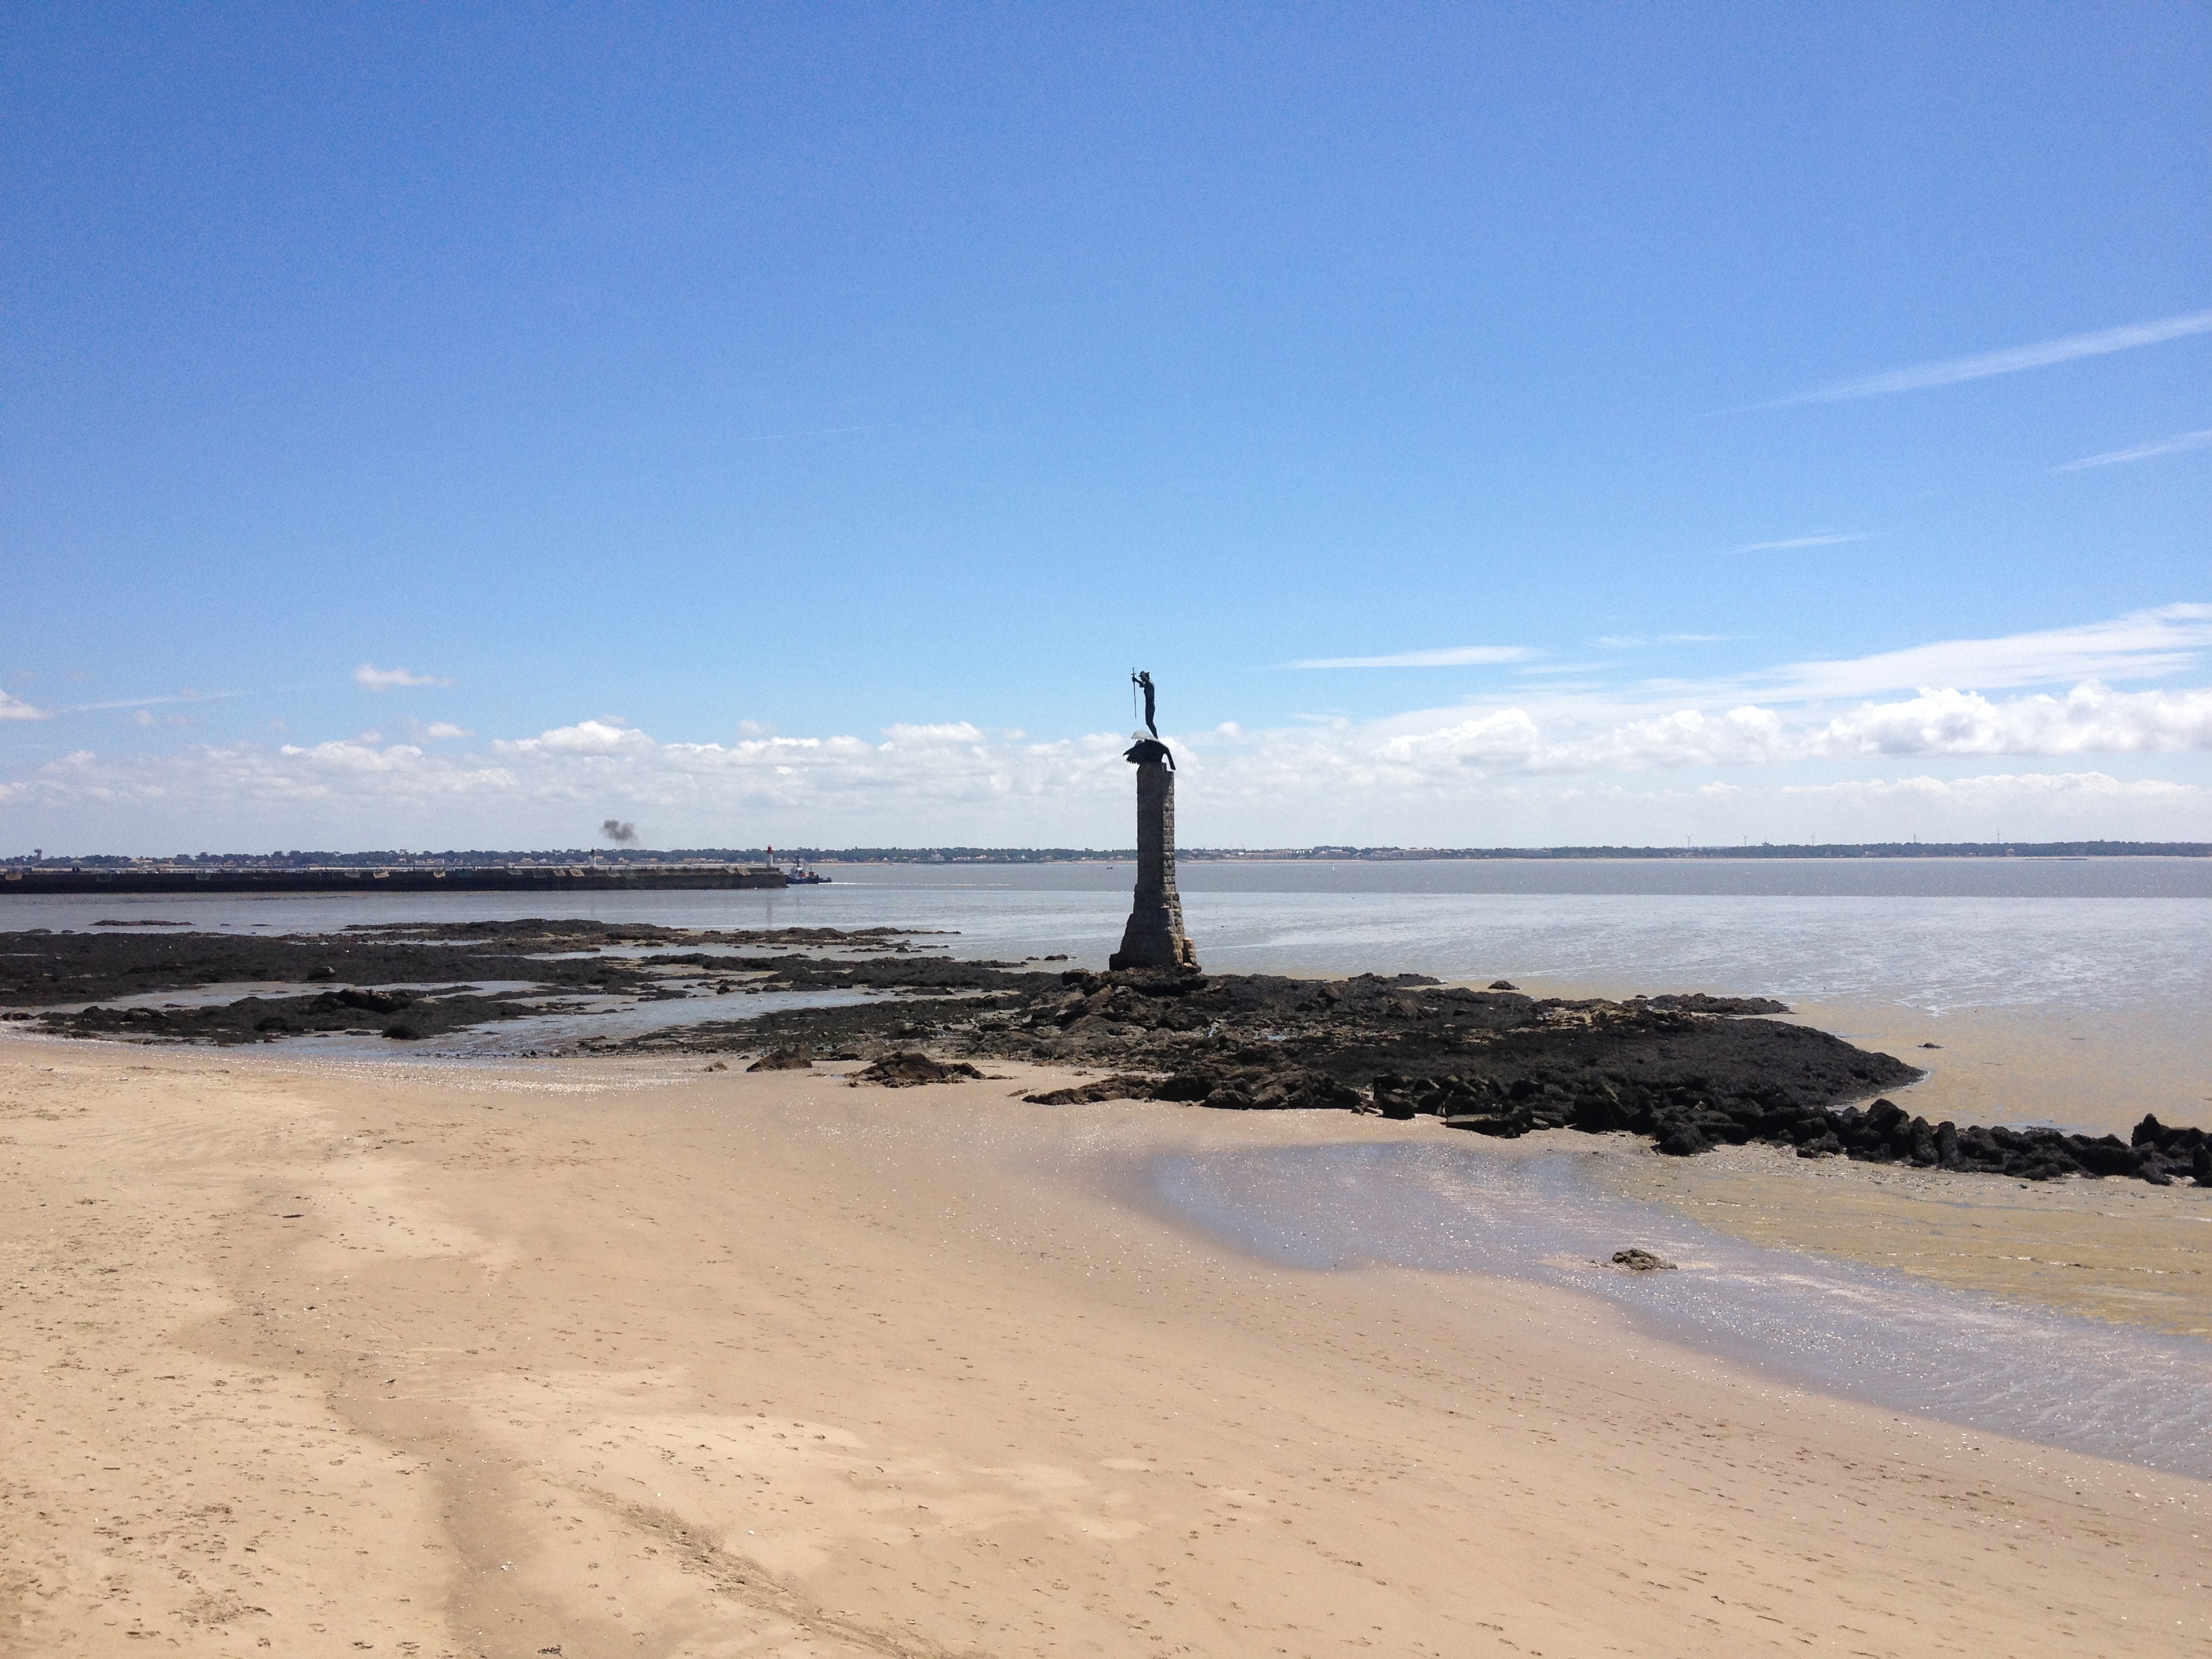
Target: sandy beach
{"points": [[594, 1357]]}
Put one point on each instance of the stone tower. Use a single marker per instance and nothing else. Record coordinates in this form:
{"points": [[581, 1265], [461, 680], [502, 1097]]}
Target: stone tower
{"points": [[1154, 937]]}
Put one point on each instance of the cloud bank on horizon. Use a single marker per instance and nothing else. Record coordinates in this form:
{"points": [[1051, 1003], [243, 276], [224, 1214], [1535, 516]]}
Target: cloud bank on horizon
{"points": [[1803, 751]]}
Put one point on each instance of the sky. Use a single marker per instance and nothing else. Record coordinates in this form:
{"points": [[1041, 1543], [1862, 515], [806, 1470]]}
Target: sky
{"points": [[444, 426]]}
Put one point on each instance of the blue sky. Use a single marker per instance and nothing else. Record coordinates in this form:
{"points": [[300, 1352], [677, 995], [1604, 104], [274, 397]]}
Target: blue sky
{"points": [[790, 423]]}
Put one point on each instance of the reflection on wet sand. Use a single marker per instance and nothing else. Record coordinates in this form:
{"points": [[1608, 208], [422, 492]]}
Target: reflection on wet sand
{"points": [[1539, 1209], [2116, 1250]]}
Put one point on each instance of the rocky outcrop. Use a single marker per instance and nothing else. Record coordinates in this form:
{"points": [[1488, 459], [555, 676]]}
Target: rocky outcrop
{"points": [[783, 1060], [1688, 1072], [1682, 1123], [909, 1068], [399, 1014], [1120, 1086]]}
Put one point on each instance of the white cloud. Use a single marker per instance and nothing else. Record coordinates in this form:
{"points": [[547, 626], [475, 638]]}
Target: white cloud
{"points": [[1499, 776], [1456, 775], [2172, 445], [949, 782], [2011, 789], [2091, 719], [599, 737], [958, 732], [1457, 656], [387, 679], [2139, 646], [1950, 371], [2019, 805], [15, 709], [1825, 539]]}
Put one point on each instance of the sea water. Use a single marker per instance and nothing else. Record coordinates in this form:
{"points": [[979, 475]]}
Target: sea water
{"points": [[1864, 1333], [2086, 981], [2115, 934]]}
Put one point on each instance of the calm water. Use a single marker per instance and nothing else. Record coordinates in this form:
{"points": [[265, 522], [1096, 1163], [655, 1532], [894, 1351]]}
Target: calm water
{"points": [[2074, 991], [2107, 935], [1860, 1332]]}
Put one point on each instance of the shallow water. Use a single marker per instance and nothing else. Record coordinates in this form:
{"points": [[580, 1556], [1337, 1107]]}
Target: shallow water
{"points": [[1934, 933], [578, 1018], [573, 1017], [1863, 1333], [2102, 967]]}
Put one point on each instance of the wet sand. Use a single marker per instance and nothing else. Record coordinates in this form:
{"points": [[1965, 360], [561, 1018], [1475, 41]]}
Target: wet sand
{"points": [[2094, 1073], [2116, 1250], [619, 1357]]}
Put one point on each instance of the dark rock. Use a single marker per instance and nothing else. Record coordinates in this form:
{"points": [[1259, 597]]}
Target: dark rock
{"points": [[783, 1060], [1509, 1123], [1395, 1096], [1698, 1002], [1639, 1259], [1688, 1070], [1502, 985], [1278, 1090], [1120, 1086], [1189, 1088], [375, 1002], [2106, 1156], [910, 1067]]}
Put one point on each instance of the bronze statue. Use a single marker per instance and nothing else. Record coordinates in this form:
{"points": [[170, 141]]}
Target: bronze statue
{"points": [[1148, 749]]}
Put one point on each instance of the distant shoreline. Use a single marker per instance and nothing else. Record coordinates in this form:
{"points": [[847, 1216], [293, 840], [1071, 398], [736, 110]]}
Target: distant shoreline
{"points": [[574, 863]]}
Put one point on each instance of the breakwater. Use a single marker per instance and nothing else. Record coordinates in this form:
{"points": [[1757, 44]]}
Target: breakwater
{"points": [[405, 878]]}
